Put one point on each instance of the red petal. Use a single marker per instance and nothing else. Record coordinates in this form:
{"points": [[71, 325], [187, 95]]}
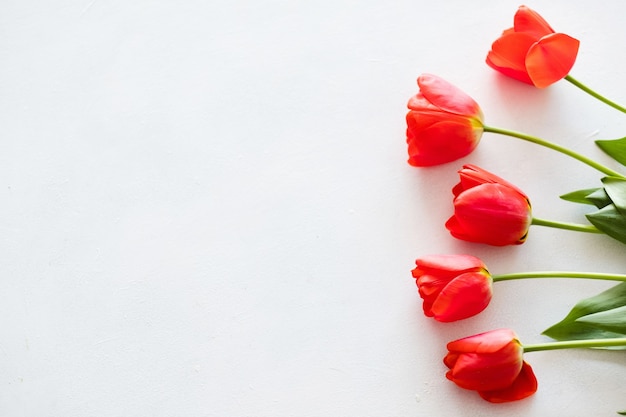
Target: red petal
{"points": [[472, 175], [524, 386], [456, 229], [449, 360], [508, 55], [417, 121], [441, 142], [430, 284], [486, 342], [551, 59], [463, 297], [487, 372], [447, 96], [418, 102], [449, 264], [531, 22]]}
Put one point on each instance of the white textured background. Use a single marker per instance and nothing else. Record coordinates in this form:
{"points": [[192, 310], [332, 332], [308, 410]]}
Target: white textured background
{"points": [[206, 209]]}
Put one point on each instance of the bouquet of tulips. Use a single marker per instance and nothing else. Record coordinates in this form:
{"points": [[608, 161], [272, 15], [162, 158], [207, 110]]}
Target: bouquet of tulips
{"points": [[445, 124]]}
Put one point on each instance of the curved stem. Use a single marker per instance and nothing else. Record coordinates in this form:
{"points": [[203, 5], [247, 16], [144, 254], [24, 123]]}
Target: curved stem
{"points": [[594, 94], [567, 226], [554, 146], [576, 344], [558, 274]]}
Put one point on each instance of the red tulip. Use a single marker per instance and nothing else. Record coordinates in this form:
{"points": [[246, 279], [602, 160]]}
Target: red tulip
{"points": [[453, 287], [488, 209], [532, 52], [443, 123], [492, 364]]}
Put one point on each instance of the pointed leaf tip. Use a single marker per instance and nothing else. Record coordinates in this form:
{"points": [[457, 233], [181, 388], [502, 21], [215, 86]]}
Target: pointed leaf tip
{"points": [[574, 326], [580, 196], [615, 148]]}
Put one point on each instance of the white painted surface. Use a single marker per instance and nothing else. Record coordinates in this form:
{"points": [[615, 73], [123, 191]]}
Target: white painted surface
{"points": [[206, 209]]}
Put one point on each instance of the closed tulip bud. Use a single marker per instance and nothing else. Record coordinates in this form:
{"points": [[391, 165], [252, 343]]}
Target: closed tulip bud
{"points": [[488, 209], [443, 123], [453, 287], [491, 363]]}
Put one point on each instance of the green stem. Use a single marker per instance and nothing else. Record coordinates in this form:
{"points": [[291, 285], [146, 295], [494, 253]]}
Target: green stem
{"points": [[558, 274], [554, 146], [594, 94], [576, 344], [567, 226]]}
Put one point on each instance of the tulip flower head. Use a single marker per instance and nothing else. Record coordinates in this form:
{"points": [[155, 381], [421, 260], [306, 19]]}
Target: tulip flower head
{"points": [[532, 52], [453, 287], [443, 123], [488, 209], [492, 364]]}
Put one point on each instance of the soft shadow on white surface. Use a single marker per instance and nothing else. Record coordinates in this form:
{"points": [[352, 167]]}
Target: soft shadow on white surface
{"points": [[207, 209]]}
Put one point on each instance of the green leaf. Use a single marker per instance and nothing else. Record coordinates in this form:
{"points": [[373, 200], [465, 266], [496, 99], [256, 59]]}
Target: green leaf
{"points": [[580, 196], [616, 190], [599, 198], [596, 196], [610, 221], [615, 148], [622, 413], [574, 326], [613, 320]]}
